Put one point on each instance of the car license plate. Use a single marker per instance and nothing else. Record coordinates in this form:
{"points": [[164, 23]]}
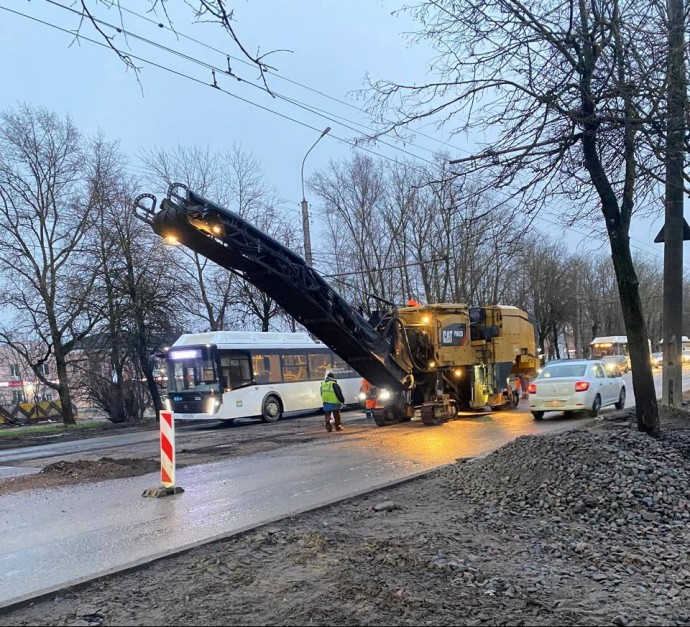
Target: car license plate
{"points": [[183, 416], [554, 403]]}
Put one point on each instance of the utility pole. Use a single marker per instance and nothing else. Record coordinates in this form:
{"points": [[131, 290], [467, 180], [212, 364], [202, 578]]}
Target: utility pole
{"points": [[307, 234], [673, 230], [305, 207]]}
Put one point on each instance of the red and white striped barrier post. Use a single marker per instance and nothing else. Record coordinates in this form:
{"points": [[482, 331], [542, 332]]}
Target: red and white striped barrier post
{"points": [[167, 449], [167, 431]]}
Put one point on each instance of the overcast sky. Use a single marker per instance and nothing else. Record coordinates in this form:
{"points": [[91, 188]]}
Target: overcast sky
{"points": [[333, 46]]}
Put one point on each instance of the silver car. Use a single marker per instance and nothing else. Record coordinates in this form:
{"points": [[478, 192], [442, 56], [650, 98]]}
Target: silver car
{"points": [[576, 385]]}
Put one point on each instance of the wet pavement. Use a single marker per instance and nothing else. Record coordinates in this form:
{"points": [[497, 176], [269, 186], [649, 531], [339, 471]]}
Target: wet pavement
{"points": [[56, 537], [52, 538]]}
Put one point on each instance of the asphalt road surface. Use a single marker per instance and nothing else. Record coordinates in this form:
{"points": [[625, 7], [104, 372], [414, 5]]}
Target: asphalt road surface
{"points": [[202, 442]]}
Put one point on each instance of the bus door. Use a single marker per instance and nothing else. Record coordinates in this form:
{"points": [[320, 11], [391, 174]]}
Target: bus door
{"points": [[295, 370], [236, 369]]}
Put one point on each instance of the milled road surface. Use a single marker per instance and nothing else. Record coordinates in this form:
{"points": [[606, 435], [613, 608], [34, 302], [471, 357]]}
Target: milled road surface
{"points": [[199, 442]]}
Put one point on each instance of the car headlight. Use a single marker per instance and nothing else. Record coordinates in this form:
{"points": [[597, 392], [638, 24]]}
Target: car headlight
{"points": [[362, 396], [384, 395]]}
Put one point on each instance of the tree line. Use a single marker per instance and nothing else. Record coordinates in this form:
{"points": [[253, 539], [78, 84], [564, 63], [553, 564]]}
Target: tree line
{"points": [[89, 288]]}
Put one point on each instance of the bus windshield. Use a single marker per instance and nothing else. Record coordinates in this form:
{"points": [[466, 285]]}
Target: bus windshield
{"points": [[608, 349], [192, 368]]}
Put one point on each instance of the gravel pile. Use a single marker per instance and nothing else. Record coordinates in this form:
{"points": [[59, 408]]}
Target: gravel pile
{"points": [[622, 480], [611, 507]]}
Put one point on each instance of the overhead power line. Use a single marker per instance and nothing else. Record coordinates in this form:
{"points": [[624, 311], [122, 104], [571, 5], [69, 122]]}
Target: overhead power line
{"points": [[326, 115], [215, 86], [288, 80], [395, 267]]}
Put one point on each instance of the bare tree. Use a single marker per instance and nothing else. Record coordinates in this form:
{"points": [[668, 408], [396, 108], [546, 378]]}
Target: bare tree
{"points": [[353, 193], [402, 232], [234, 179], [251, 304], [46, 263], [568, 94], [215, 11], [206, 289], [137, 295]]}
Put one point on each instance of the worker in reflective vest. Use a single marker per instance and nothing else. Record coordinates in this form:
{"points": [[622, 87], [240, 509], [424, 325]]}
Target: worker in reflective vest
{"points": [[332, 397], [369, 394]]}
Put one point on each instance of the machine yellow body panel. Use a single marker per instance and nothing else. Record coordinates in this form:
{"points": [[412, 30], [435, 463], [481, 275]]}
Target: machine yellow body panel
{"points": [[480, 345]]}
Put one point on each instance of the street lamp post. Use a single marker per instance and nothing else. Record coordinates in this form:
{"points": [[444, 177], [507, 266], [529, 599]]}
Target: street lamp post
{"points": [[305, 206]]}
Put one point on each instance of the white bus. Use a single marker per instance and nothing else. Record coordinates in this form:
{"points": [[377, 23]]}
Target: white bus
{"points": [[225, 375], [613, 349]]}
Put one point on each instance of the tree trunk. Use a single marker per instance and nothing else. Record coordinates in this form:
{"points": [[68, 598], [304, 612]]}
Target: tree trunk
{"points": [[541, 341], [63, 390], [577, 339], [266, 315], [151, 382], [557, 350], [145, 362], [636, 330]]}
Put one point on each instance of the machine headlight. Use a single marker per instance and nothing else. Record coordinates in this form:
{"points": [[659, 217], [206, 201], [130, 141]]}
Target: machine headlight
{"points": [[362, 396], [384, 395]]}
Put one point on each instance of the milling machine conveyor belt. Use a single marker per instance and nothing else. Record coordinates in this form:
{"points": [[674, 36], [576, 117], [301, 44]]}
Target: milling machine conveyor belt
{"points": [[234, 243]]}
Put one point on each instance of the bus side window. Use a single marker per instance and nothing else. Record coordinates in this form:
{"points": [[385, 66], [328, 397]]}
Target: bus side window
{"points": [[266, 368], [341, 369], [294, 368], [319, 365], [236, 371]]}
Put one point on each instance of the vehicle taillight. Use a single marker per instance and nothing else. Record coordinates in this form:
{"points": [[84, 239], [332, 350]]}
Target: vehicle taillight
{"points": [[532, 388], [582, 386]]}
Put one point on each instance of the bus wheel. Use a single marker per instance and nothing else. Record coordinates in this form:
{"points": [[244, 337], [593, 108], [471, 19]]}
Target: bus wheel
{"points": [[272, 409]]}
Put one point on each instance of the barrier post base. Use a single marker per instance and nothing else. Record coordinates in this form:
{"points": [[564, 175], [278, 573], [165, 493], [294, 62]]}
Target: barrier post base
{"points": [[157, 493]]}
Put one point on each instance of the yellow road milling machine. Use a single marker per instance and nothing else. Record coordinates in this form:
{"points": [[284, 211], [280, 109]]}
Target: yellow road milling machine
{"points": [[438, 358]]}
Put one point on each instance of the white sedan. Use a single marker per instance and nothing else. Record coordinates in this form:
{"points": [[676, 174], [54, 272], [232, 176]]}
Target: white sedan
{"points": [[575, 385]]}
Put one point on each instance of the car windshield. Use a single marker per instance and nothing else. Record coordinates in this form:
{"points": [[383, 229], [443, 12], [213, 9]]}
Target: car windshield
{"points": [[559, 371]]}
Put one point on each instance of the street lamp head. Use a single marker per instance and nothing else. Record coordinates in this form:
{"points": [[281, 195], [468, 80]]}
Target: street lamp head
{"points": [[325, 131]]}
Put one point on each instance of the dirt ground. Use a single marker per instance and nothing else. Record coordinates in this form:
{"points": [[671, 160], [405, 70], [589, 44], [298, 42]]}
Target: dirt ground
{"points": [[418, 561], [348, 565], [82, 471]]}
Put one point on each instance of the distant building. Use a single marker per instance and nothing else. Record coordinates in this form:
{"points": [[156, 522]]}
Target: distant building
{"points": [[19, 384]]}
